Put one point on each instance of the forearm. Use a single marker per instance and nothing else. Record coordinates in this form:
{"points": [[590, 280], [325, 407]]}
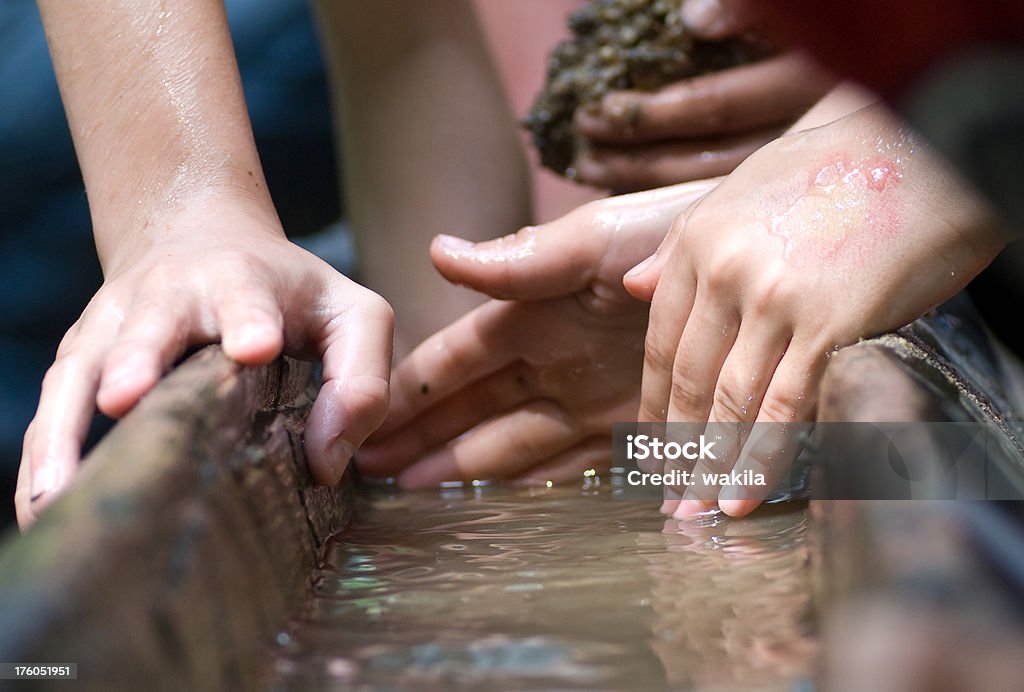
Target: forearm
{"points": [[429, 146], [156, 110]]}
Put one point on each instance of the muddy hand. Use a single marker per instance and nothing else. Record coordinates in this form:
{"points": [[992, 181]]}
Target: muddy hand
{"points": [[700, 127], [249, 288], [527, 386], [819, 239]]}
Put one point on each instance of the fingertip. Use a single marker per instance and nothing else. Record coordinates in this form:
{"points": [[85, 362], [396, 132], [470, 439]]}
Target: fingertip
{"points": [[123, 385], [737, 507], [446, 252], [253, 343], [641, 281], [46, 481]]}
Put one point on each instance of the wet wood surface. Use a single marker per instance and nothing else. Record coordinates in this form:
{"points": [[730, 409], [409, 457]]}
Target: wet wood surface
{"points": [[189, 533]]}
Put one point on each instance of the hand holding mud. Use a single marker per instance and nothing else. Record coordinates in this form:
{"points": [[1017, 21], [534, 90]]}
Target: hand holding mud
{"points": [[699, 127], [821, 238]]}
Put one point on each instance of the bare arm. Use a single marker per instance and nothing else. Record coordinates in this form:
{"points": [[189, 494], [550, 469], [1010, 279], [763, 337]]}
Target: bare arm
{"points": [[429, 146], [155, 106], [191, 247]]}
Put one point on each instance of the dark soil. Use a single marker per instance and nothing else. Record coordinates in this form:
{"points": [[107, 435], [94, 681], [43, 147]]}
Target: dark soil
{"points": [[621, 44]]}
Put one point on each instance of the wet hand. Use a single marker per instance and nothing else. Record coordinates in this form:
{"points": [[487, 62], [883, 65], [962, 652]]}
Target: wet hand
{"points": [[819, 239], [700, 127], [178, 284], [527, 386]]}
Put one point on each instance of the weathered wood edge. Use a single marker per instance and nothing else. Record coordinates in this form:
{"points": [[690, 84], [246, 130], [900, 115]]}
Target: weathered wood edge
{"points": [[189, 532], [888, 567]]}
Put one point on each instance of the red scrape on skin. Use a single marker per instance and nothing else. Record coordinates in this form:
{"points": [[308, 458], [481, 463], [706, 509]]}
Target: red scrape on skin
{"points": [[846, 206]]}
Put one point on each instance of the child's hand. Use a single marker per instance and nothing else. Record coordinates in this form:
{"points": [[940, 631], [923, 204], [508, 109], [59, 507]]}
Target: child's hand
{"points": [[178, 284], [819, 239], [527, 386], [699, 127]]}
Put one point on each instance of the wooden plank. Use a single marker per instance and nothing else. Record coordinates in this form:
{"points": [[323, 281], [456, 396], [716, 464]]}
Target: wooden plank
{"points": [[190, 531]]}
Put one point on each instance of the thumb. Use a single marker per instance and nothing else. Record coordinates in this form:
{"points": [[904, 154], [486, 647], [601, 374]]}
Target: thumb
{"points": [[537, 262]]}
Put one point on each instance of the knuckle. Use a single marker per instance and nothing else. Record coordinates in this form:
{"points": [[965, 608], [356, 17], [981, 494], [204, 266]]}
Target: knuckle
{"points": [[730, 403], [685, 396], [782, 406], [658, 354], [730, 261]]}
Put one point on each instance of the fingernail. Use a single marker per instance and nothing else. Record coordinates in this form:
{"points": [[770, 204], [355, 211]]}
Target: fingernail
{"points": [[735, 500], [454, 244], [639, 269], [669, 506], [44, 480], [700, 16], [734, 508]]}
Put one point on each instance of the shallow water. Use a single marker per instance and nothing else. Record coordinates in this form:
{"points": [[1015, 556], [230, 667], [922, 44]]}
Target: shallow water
{"points": [[509, 588]]}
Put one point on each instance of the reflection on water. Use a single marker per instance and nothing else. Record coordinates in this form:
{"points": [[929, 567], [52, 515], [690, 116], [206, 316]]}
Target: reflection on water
{"points": [[500, 587]]}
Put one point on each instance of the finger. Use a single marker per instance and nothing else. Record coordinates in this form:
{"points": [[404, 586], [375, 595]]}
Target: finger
{"points": [[355, 346], [153, 335], [449, 418], [627, 168], [535, 262], [502, 447], [789, 401], [772, 92], [745, 375], [23, 491], [718, 19], [706, 340], [670, 309], [565, 255], [53, 443], [593, 454], [475, 346], [747, 371], [249, 320]]}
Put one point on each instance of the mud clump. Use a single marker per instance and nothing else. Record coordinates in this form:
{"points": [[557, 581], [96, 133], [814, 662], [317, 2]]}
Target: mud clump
{"points": [[615, 45]]}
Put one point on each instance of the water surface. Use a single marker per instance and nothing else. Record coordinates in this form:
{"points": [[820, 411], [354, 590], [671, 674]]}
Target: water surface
{"points": [[497, 587]]}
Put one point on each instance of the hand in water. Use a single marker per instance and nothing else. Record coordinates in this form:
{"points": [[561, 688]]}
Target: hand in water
{"points": [[700, 127], [527, 386], [176, 286], [819, 239]]}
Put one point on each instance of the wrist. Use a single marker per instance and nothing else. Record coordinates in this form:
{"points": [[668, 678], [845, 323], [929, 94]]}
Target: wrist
{"points": [[201, 220]]}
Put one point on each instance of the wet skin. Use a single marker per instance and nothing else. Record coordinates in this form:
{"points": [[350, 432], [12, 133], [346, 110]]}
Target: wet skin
{"points": [[821, 238]]}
